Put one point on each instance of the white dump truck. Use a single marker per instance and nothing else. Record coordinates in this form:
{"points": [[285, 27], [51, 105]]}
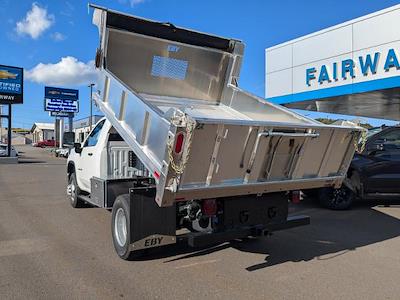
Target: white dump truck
{"points": [[183, 154]]}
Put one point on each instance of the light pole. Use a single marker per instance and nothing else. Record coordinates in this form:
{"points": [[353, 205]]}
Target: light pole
{"points": [[91, 106], [1, 128]]}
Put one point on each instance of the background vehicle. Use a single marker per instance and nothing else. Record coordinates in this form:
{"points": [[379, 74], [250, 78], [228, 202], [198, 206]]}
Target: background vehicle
{"points": [[182, 147], [63, 152], [68, 143], [373, 174], [46, 143], [4, 150]]}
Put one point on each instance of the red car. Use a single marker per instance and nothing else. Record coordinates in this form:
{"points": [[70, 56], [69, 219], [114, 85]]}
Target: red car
{"points": [[46, 143]]}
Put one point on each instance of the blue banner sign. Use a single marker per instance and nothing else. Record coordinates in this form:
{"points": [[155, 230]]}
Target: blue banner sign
{"points": [[11, 85], [60, 93], [61, 105]]}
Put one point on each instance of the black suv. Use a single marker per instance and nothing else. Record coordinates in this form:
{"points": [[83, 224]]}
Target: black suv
{"points": [[373, 174]]}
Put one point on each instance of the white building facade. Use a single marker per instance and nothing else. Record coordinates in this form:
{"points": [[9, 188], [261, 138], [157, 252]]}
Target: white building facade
{"points": [[352, 68], [42, 131]]}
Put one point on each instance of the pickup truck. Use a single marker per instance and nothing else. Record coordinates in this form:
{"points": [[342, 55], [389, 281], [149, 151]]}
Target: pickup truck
{"points": [[374, 172], [183, 154], [4, 150]]}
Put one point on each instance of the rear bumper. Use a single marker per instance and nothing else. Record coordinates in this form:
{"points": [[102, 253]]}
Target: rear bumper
{"points": [[201, 239]]}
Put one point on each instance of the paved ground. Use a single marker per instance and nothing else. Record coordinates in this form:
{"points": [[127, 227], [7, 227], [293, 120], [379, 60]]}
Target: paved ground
{"points": [[49, 250]]}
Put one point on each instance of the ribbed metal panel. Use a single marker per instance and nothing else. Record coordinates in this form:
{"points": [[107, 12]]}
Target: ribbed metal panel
{"points": [[118, 154]]}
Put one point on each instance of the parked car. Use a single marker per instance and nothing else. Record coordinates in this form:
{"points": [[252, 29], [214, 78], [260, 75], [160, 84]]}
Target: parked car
{"points": [[63, 152], [46, 143], [373, 174], [4, 150]]}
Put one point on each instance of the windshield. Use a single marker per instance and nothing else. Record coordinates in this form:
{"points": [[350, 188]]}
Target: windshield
{"points": [[374, 131]]}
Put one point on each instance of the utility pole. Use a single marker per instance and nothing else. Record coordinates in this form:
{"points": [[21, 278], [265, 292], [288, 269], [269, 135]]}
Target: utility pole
{"points": [[9, 136], [1, 126], [91, 106]]}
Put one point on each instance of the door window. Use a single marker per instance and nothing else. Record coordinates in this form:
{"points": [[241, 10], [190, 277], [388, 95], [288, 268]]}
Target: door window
{"points": [[94, 135], [391, 138], [390, 142]]}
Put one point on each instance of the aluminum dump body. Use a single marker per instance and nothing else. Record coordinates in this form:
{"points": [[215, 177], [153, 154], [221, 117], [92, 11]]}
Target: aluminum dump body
{"points": [[173, 95]]}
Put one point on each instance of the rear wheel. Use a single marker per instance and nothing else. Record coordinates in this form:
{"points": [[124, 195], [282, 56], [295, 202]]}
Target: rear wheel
{"points": [[73, 191], [336, 199], [120, 228]]}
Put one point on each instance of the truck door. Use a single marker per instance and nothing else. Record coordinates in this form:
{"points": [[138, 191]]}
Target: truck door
{"points": [[383, 172], [89, 161]]}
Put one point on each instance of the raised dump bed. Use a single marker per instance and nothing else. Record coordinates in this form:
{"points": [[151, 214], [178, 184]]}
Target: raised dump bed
{"points": [[173, 95]]}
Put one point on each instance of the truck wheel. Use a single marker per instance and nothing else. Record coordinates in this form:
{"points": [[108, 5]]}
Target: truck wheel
{"points": [[73, 191], [336, 199], [120, 228]]}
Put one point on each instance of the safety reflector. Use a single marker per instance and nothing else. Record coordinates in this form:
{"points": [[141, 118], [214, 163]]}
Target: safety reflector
{"points": [[209, 207], [295, 197], [179, 142]]}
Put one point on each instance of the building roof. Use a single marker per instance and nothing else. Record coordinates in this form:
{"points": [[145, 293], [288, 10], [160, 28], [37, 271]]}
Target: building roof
{"points": [[43, 126]]}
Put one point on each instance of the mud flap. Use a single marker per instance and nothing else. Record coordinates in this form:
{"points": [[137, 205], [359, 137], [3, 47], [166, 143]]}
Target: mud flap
{"points": [[150, 225]]}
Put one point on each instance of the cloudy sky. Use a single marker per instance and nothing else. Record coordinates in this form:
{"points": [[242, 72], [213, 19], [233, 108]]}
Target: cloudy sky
{"points": [[55, 41]]}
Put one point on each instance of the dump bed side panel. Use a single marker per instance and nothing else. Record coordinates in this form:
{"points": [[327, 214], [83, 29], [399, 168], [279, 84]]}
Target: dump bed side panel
{"points": [[237, 155]]}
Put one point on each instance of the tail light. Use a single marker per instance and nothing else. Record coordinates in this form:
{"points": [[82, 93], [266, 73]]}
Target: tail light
{"points": [[295, 197], [180, 137], [209, 207]]}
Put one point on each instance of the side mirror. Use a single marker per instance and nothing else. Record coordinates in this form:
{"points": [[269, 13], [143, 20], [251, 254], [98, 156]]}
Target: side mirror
{"points": [[77, 147]]}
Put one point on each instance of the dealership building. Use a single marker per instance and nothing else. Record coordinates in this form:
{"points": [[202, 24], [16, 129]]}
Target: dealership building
{"points": [[352, 68], [42, 131]]}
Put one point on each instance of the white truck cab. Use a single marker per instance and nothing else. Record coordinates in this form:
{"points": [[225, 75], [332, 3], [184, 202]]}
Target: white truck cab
{"points": [[102, 155], [87, 158]]}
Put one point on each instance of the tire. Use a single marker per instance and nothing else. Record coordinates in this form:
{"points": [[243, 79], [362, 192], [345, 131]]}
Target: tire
{"points": [[74, 191], [120, 228], [336, 199]]}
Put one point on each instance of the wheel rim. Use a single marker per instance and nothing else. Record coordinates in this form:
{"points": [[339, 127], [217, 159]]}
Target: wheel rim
{"points": [[120, 228], [341, 196], [71, 190]]}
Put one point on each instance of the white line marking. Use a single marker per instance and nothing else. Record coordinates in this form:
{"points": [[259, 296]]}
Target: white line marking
{"points": [[198, 263]]}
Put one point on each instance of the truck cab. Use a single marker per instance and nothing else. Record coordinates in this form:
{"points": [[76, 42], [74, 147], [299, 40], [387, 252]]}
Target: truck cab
{"points": [[83, 157], [102, 155]]}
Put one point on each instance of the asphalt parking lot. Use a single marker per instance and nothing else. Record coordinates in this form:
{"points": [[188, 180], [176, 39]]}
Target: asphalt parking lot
{"points": [[48, 250]]}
